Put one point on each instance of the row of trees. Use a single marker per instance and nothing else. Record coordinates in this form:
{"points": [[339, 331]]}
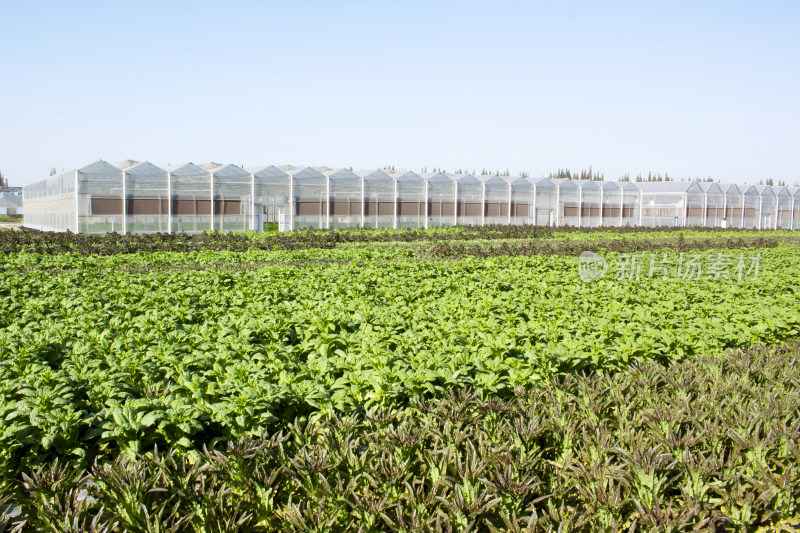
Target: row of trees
{"points": [[3, 181], [589, 175], [771, 182]]}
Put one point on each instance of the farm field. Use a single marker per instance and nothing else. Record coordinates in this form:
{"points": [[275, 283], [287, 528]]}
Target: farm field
{"points": [[461, 379]]}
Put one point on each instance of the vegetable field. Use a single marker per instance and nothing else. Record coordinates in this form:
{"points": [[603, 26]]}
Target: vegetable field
{"points": [[112, 348]]}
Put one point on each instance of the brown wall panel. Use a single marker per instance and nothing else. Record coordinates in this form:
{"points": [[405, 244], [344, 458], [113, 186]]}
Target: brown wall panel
{"points": [[106, 206], [148, 206], [411, 208], [570, 210], [386, 208], [372, 207], [469, 209], [346, 208], [497, 209], [313, 207], [520, 210], [183, 207], [588, 211], [228, 207], [203, 207], [610, 212], [441, 209]]}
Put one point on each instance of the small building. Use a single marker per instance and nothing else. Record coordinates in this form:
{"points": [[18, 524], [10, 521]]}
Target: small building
{"points": [[10, 200]]}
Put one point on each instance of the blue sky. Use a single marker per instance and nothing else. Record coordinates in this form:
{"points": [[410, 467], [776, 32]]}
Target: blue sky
{"points": [[685, 88]]}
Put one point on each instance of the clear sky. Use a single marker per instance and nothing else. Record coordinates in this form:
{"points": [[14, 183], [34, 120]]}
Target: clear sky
{"points": [[690, 88]]}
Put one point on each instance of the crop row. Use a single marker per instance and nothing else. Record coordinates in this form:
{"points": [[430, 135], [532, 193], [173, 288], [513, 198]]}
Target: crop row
{"points": [[450, 250], [710, 443], [110, 244]]}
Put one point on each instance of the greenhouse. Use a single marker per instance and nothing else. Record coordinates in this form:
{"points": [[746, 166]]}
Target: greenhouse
{"points": [[496, 200], [768, 207], [631, 214], [190, 194], [469, 200], [441, 195], [521, 194], [140, 197], [346, 199], [759, 207], [308, 189], [545, 198], [379, 199], [232, 191], [620, 203], [714, 205], [271, 191], [411, 200], [733, 199], [567, 198], [591, 204], [672, 203], [146, 192]]}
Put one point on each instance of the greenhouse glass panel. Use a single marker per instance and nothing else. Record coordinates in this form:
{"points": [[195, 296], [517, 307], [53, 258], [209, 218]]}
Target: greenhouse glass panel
{"points": [[50, 204], [271, 199], [441, 199], [379, 199], [784, 207], [611, 204], [752, 208], [411, 201], [590, 204], [631, 204], [696, 204], [346, 198], [233, 197], [734, 208], [767, 210], [568, 206], [714, 205], [100, 206], [496, 200], [146, 197], [310, 197], [545, 197], [795, 207], [671, 203], [190, 190], [521, 200], [469, 194]]}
